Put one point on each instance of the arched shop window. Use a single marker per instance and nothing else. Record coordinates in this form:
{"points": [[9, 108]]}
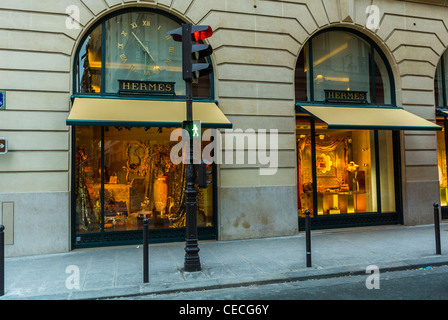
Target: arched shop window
{"points": [[441, 102], [346, 176], [342, 60], [123, 173], [132, 45]]}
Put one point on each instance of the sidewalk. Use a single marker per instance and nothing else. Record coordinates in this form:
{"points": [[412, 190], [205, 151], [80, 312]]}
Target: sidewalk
{"points": [[112, 272]]}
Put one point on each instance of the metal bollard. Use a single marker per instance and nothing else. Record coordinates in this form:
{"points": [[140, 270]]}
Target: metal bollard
{"points": [[437, 227], [145, 251], [308, 237], [2, 260]]}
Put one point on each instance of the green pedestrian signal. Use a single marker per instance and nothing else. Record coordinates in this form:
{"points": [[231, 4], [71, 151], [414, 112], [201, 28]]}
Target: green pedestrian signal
{"points": [[193, 128]]}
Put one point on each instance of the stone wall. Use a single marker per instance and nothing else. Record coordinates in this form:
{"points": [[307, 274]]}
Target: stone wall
{"points": [[256, 44]]}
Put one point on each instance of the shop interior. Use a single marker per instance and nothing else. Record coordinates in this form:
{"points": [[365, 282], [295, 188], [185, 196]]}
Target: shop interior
{"points": [[346, 170], [140, 181]]}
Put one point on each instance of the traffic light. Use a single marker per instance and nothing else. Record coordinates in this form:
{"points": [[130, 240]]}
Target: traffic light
{"points": [[205, 172], [193, 128], [192, 51]]}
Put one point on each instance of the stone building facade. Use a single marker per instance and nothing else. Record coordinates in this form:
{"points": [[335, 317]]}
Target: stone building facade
{"points": [[256, 48]]}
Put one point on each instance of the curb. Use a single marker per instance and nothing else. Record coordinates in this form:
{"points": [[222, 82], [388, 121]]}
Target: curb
{"points": [[314, 273]]}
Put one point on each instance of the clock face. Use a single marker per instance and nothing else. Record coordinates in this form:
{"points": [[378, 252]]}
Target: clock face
{"points": [[138, 48]]}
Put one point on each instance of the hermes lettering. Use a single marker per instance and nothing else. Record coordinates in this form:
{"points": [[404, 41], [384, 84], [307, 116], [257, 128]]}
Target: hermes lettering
{"points": [[345, 96], [146, 87]]}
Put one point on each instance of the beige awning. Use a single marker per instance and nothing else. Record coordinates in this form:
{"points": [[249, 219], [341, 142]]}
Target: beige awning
{"points": [[368, 117], [143, 113]]}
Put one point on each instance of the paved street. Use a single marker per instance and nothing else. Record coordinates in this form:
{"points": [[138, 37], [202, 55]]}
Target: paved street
{"points": [[415, 284], [117, 272]]}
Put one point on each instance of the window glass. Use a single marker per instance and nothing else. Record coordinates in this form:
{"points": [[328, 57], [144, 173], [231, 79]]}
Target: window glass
{"points": [[382, 81], [340, 62], [138, 48], [140, 181], [89, 62], [304, 165], [440, 80], [346, 170], [387, 184], [445, 77], [438, 87], [88, 179], [301, 76], [442, 165]]}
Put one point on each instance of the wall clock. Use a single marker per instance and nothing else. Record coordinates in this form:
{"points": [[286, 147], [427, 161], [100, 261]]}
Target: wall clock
{"points": [[138, 48]]}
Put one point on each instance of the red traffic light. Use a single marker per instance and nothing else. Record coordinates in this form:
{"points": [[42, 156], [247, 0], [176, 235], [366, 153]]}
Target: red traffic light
{"points": [[198, 32], [201, 32]]}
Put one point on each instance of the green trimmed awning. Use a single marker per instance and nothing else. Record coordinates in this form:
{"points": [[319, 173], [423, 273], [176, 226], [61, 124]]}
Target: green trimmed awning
{"points": [[442, 112], [368, 117], [143, 113]]}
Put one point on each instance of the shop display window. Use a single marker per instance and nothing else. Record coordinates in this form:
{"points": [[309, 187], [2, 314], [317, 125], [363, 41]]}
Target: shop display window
{"points": [[442, 165], [441, 93], [125, 175], [122, 175], [440, 90], [354, 170], [351, 171], [87, 175]]}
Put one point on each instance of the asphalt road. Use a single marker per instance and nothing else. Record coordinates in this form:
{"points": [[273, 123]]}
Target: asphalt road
{"points": [[429, 283]]}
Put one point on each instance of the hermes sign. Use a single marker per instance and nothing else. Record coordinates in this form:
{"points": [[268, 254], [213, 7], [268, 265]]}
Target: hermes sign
{"points": [[146, 87], [345, 96]]}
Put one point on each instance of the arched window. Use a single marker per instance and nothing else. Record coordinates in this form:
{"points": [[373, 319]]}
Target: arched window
{"points": [[132, 45], [122, 125], [346, 174], [343, 60]]}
